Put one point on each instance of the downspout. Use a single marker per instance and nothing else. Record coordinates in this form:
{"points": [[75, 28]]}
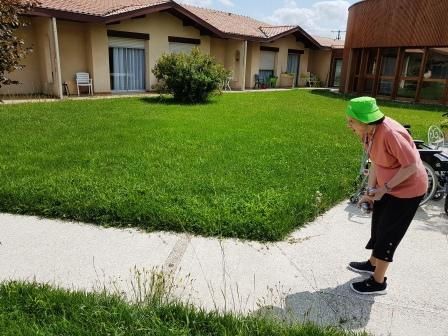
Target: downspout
{"points": [[244, 64], [59, 93]]}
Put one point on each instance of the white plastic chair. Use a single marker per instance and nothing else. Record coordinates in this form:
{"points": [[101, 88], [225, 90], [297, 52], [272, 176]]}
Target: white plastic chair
{"points": [[83, 79], [436, 137], [226, 84]]}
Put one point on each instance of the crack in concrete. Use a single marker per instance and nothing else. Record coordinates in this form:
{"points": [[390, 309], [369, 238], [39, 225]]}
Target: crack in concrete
{"points": [[173, 260]]}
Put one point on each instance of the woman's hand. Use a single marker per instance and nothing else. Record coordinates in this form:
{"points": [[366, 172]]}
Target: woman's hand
{"points": [[366, 199], [379, 193]]}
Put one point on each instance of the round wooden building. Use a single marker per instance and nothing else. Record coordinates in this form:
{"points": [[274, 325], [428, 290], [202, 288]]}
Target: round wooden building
{"points": [[397, 49]]}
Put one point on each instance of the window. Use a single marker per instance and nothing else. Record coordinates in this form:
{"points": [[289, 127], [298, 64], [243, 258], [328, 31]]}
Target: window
{"points": [[407, 88], [267, 64], [371, 62], [412, 62], [435, 75], [127, 64], [177, 48], [388, 62], [179, 45]]}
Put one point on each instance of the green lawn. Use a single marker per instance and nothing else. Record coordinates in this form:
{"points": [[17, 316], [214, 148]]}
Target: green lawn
{"points": [[31, 309], [247, 165]]}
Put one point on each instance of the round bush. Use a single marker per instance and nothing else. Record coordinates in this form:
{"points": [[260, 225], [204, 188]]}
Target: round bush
{"points": [[191, 78]]}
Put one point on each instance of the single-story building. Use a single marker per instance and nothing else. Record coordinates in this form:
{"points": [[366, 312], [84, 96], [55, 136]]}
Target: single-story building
{"points": [[119, 42]]}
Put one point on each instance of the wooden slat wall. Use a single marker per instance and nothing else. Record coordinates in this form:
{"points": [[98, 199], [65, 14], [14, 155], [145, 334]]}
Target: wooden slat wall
{"points": [[397, 23], [394, 23]]}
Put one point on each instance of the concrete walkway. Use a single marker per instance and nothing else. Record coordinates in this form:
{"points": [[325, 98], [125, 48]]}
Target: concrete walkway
{"points": [[302, 278]]}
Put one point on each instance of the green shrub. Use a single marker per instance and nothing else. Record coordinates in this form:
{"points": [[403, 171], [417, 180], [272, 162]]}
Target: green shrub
{"points": [[191, 78]]}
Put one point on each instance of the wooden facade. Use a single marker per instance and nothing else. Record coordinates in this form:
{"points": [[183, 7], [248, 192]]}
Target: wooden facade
{"points": [[397, 49]]}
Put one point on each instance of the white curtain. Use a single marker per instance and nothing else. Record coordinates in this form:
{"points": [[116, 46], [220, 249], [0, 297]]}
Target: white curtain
{"points": [[128, 69], [293, 63]]}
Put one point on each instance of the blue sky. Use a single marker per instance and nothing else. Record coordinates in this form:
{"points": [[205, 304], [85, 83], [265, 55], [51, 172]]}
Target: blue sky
{"points": [[318, 17]]}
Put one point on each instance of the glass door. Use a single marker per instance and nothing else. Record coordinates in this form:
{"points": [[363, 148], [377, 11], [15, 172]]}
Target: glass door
{"points": [[293, 67], [389, 57], [127, 69], [410, 71], [337, 70]]}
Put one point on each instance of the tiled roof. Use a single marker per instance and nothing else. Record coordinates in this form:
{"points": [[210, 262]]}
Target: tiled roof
{"points": [[329, 42], [235, 24], [275, 30], [98, 7], [226, 23]]}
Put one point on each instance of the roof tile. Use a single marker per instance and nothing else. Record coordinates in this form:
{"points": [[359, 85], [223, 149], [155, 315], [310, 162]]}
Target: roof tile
{"points": [[98, 7], [228, 23]]}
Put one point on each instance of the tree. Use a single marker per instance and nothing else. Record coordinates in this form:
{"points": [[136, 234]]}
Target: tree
{"points": [[12, 47], [191, 78]]}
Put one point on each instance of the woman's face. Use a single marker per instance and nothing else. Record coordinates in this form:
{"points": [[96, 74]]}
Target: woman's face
{"points": [[358, 127]]}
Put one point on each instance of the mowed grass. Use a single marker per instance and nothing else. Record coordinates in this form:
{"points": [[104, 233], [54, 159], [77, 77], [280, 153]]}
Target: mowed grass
{"points": [[32, 309], [250, 165]]}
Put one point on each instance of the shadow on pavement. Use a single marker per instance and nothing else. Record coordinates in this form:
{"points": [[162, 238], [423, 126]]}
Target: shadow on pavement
{"points": [[432, 217], [354, 214], [337, 306]]}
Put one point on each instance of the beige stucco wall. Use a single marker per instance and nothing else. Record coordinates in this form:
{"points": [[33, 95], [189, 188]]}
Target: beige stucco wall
{"points": [[253, 63], [160, 26], [30, 76], [231, 54], [288, 42], [41, 73], [218, 49], [98, 57], [320, 64], [73, 46]]}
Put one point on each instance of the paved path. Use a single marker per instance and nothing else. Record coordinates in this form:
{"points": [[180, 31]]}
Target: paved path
{"points": [[302, 278]]}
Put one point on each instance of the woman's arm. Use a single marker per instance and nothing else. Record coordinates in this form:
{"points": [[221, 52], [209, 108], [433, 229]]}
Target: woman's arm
{"points": [[402, 175], [372, 176]]}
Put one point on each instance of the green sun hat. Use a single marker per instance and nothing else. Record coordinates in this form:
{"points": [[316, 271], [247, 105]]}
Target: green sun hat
{"points": [[364, 109]]}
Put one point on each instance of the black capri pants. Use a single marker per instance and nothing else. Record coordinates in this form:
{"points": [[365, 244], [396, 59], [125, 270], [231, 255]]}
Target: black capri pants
{"points": [[391, 218]]}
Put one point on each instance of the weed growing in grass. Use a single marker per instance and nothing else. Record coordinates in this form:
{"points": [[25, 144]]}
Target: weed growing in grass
{"points": [[36, 309]]}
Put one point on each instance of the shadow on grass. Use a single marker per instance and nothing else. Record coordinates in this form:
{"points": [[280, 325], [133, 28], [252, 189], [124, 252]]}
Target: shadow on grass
{"points": [[169, 100], [382, 102], [338, 306]]}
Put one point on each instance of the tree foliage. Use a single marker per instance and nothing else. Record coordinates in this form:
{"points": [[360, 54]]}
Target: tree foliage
{"points": [[191, 78], [12, 47]]}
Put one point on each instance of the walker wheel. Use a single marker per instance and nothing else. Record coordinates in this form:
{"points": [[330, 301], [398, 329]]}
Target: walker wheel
{"points": [[437, 196]]}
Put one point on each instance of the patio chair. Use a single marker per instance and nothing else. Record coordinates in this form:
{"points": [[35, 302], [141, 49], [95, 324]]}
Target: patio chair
{"points": [[258, 82], [226, 84], [83, 79], [436, 137], [313, 80]]}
